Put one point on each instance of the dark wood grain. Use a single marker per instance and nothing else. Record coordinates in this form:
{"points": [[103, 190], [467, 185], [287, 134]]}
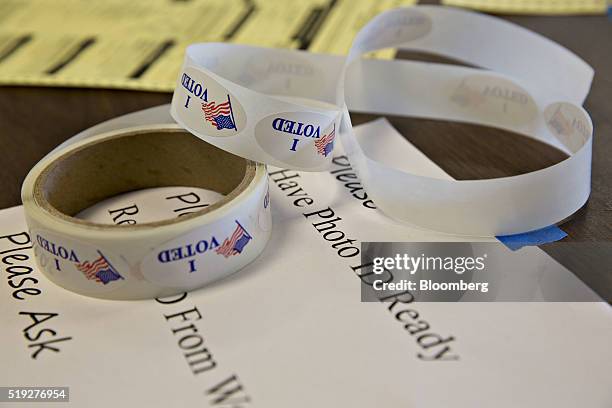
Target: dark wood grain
{"points": [[34, 120]]}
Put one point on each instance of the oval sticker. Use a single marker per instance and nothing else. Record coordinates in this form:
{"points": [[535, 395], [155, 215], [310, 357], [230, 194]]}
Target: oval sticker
{"points": [[569, 124], [304, 139], [202, 255], [207, 106], [78, 266], [392, 29], [264, 218], [283, 75], [486, 96]]}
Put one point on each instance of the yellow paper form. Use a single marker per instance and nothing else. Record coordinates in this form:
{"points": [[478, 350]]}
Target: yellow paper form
{"points": [[140, 44], [551, 7]]}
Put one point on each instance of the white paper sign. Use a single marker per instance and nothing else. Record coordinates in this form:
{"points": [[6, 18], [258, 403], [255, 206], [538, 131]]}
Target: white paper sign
{"points": [[290, 330]]}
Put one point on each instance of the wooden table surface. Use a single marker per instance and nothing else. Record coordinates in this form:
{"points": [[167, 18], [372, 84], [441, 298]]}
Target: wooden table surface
{"points": [[34, 120]]}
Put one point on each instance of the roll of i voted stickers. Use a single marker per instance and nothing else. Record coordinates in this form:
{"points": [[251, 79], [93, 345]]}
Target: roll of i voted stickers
{"points": [[153, 258], [290, 108]]}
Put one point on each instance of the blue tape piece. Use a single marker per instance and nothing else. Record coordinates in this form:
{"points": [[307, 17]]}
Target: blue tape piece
{"points": [[537, 237]]}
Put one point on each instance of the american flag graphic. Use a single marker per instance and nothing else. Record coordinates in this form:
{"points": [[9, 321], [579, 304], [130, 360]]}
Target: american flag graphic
{"points": [[560, 123], [99, 270], [266, 202], [221, 115], [465, 95], [235, 244], [325, 145]]}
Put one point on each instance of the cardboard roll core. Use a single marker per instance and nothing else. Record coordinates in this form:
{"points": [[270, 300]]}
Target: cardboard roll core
{"points": [[133, 160], [148, 259]]}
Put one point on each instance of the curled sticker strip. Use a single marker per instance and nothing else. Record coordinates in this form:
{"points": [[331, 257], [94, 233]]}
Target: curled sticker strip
{"points": [[289, 109]]}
